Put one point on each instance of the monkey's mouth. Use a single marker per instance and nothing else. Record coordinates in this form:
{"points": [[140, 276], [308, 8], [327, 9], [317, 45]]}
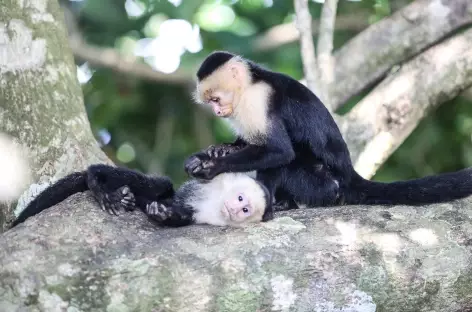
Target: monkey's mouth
{"points": [[225, 212], [225, 115]]}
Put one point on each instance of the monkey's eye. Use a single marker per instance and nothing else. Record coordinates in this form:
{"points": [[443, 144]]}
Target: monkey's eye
{"points": [[245, 210], [215, 99], [240, 198]]}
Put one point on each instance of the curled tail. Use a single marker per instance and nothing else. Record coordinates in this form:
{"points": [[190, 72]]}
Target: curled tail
{"points": [[432, 189], [54, 194]]}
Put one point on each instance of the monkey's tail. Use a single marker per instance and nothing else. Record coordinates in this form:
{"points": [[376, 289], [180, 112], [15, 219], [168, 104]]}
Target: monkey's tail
{"points": [[431, 189], [73, 183]]}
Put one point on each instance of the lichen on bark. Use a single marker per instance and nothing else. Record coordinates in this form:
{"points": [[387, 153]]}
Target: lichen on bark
{"points": [[332, 260]]}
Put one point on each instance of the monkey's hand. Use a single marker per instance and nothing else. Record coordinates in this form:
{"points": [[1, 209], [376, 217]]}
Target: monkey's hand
{"points": [[202, 169], [158, 212], [216, 151], [120, 199], [200, 166]]}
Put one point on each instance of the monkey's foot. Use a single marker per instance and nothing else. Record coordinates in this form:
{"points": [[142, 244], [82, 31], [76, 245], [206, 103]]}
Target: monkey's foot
{"points": [[285, 205], [158, 211], [118, 200]]}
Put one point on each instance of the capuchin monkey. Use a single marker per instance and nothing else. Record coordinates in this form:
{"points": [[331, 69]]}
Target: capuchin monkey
{"points": [[286, 134], [227, 200]]}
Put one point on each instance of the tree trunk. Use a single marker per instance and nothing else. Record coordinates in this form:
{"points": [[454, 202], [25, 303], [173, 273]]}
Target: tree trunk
{"points": [[346, 259], [41, 103]]}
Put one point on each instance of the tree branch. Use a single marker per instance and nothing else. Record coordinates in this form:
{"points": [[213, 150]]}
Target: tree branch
{"points": [[287, 33], [396, 39], [325, 49], [75, 256], [385, 117], [110, 58], [307, 48], [41, 103]]}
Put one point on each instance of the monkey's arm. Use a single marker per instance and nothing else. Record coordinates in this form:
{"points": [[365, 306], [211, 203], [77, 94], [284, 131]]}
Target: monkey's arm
{"points": [[276, 151]]}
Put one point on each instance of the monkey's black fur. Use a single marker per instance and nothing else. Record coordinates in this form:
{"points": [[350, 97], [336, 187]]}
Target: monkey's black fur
{"points": [[304, 157], [113, 188], [210, 64]]}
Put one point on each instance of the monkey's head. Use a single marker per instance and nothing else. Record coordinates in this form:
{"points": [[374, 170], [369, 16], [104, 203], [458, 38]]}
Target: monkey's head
{"points": [[221, 81], [245, 200]]}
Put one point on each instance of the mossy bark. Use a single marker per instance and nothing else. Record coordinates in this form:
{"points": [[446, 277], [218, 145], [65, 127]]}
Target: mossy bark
{"points": [[41, 103], [356, 259]]}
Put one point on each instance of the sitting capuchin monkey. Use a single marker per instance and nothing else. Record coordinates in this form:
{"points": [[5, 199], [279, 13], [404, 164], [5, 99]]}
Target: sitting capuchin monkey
{"points": [[286, 134], [230, 199]]}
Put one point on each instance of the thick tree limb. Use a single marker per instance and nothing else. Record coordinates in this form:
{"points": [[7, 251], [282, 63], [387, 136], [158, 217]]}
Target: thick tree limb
{"points": [[307, 48], [325, 48], [369, 55], [41, 104], [287, 33], [385, 117], [339, 259], [110, 58]]}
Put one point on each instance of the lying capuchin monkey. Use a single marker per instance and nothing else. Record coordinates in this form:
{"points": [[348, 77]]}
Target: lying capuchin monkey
{"points": [[286, 134], [230, 199]]}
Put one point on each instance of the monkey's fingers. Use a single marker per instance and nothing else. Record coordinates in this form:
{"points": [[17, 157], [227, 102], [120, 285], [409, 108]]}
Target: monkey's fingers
{"points": [[192, 164], [111, 205], [126, 198], [207, 164], [104, 202], [212, 151], [197, 169], [205, 173], [157, 211]]}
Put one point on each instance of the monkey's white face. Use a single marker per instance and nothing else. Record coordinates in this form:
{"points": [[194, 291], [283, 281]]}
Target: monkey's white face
{"points": [[237, 208], [243, 202], [223, 88], [230, 93], [221, 102]]}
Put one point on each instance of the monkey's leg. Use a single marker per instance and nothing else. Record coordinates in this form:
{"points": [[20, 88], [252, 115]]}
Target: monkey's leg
{"points": [[110, 200], [169, 214], [314, 188], [272, 179]]}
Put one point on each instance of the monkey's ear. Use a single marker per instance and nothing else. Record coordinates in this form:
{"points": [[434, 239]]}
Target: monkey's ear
{"points": [[237, 70]]}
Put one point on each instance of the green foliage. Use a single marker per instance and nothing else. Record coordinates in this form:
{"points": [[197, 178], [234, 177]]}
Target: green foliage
{"points": [[154, 126], [381, 10]]}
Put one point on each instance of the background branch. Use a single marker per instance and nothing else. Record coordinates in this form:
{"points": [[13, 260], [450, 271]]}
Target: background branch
{"points": [[307, 48], [385, 117], [396, 39], [325, 58], [110, 58], [288, 33]]}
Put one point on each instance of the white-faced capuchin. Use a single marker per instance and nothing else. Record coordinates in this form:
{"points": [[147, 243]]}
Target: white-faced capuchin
{"points": [[286, 134], [227, 200]]}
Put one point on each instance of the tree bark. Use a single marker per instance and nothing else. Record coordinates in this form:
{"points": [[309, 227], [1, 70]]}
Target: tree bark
{"points": [[41, 103], [356, 259], [378, 124]]}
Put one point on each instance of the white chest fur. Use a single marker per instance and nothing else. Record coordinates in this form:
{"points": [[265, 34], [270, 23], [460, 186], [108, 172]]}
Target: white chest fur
{"points": [[250, 115]]}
